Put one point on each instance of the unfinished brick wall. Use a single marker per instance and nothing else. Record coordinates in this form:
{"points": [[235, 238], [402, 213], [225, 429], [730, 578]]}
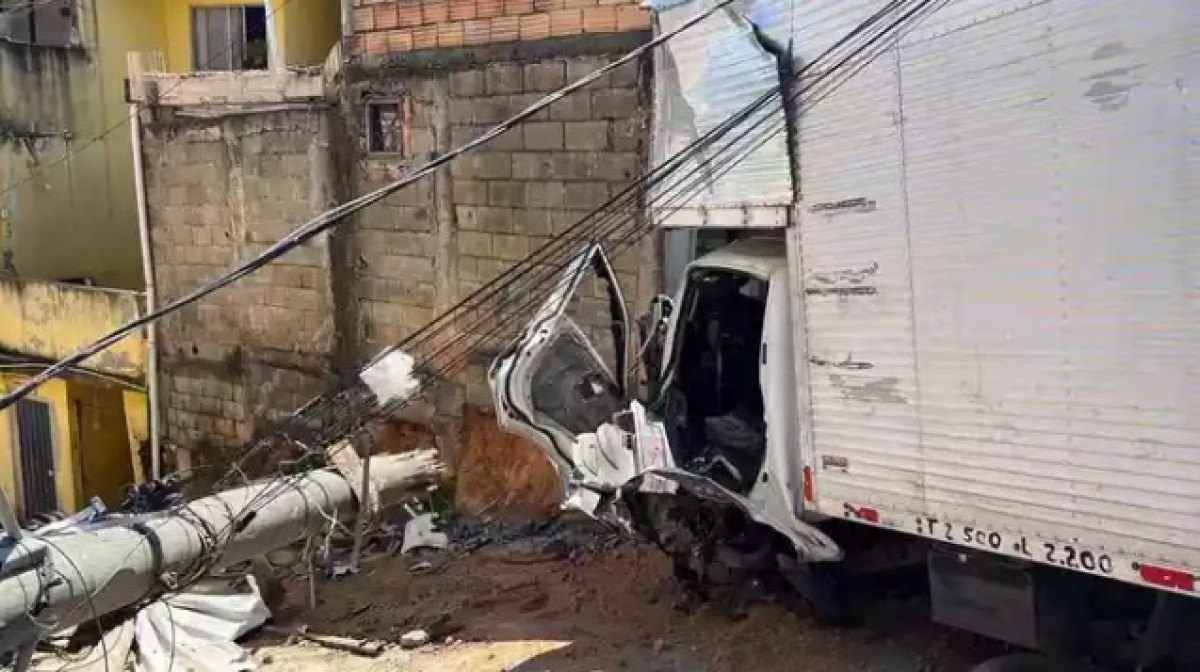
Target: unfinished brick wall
{"points": [[428, 246], [220, 190], [384, 27]]}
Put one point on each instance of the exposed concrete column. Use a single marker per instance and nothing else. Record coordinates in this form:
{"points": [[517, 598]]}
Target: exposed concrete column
{"points": [[447, 428]]}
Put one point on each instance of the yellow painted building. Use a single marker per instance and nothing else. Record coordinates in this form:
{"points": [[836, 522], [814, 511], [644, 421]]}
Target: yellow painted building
{"points": [[82, 435], [67, 205], [68, 212]]}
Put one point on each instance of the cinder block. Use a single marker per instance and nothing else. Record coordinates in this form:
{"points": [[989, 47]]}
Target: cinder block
{"points": [[544, 135], [536, 223], [627, 134], [510, 248], [574, 107], [494, 219], [625, 75], [532, 166], [470, 192], [586, 135], [586, 195], [488, 166], [583, 65], [545, 76], [475, 243], [549, 194], [504, 78], [518, 102], [615, 103], [615, 166], [465, 83], [507, 194]]}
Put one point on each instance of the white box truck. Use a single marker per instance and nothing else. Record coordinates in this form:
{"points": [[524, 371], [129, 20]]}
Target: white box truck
{"points": [[976, 341]]}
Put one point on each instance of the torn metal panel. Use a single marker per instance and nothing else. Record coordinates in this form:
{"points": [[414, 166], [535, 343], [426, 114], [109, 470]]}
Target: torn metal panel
{"points": [[704, 76]]}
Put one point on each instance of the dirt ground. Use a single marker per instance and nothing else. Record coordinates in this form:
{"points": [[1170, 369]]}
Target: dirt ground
{"points": [[521, 607]]}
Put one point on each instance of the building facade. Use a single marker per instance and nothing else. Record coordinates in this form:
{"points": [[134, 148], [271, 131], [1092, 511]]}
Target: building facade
{"points": [[67, 205], [413, 79], [83, 435]]}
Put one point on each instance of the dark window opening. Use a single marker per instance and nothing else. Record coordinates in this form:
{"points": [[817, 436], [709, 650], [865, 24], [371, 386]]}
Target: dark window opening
{"points": [[46, 22], [385, 127], [229, 38]]}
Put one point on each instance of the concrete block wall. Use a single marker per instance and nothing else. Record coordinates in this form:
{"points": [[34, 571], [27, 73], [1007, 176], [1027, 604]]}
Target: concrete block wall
{"points": [[220, 190], [430, 245], [383, 27]]}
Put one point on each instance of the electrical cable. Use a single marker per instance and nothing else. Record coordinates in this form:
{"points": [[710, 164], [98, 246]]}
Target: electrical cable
{"points": [[90, 600]]}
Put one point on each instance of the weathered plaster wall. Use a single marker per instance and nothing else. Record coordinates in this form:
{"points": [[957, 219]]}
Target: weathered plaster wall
{"points": [[76, 217], [49, 321]]}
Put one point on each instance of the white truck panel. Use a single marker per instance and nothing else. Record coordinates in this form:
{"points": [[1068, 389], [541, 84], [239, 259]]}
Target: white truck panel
{"points": [[1004, 330]]}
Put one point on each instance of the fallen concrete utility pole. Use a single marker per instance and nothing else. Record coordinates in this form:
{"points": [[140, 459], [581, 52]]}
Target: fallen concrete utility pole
{"points": [[58, 581]]}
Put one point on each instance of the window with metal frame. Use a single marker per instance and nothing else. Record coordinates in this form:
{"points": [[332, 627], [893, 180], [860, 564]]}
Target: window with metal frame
{"points": [[229, 38], [48, 23], [387, 119]]}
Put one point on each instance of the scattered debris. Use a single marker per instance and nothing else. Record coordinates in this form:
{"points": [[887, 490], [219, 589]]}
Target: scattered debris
{"points": [[362, 647], [603, 606], [414, 638], [421, 532]]}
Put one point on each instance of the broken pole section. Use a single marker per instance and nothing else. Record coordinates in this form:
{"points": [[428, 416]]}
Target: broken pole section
{"points": [[93, 572]]}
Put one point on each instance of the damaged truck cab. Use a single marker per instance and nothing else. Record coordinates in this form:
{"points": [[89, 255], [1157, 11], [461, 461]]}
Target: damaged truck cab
{"points": [[963, 339], [718, 358]]}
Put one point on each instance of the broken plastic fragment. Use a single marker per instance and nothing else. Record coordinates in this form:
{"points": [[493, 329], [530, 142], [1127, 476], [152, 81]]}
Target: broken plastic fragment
{"points": [[391, 377], [421, 532]]}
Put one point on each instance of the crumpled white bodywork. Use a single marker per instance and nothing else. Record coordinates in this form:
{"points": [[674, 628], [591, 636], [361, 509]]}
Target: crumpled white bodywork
{"points": [[629, 453]]}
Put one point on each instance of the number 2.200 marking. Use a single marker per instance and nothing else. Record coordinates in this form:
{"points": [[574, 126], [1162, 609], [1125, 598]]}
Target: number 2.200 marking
{"points": [[1074, 559]]}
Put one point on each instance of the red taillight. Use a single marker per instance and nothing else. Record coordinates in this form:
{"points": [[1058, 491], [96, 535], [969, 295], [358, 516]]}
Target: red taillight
{"points": [[808, 484], [1168, 578], [868, 514]]}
